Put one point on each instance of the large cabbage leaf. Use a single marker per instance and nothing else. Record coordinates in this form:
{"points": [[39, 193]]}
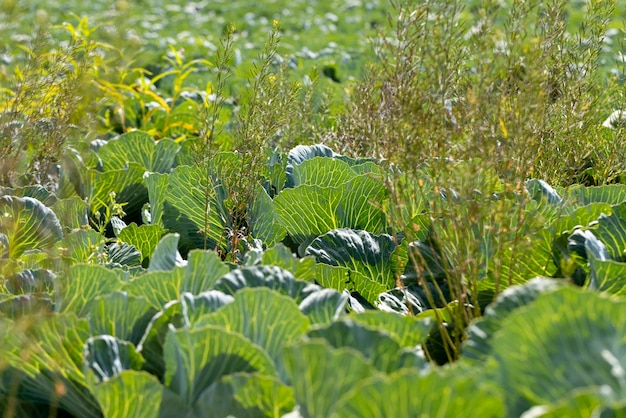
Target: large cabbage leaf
{"points": [[453, 393], [307, 211], [611, 230], [573, 339], [144, 237], [82, 284], [324, 377], [42, 363], [193, 207], [28, 224], [360, 251], [139, 147], [120, 315], [265, 317], [378, 347], [477, 346], [130, 393], [106, 356], [195, 359]]}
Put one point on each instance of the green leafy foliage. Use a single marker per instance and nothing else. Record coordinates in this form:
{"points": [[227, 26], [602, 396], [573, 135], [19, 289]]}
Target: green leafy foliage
{"points": [[380, 349], [478, 343], [607, 276], [451, 394], [555, 338], [166, 255], [199, 358], [262, 220], [145, 237], [81, 246], [129, 393], [266, 318], [191, 208], [107, 356], [360, 251], [50, 371], [324, 306], [611, 230], [123, 185], [120, 315], [28, 224], [312, 367], [171, 244], [82, 284], [141, 148], [347, 205], [265, 276]]}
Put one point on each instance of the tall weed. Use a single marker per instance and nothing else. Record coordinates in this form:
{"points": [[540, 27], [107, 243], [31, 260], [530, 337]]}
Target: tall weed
{"points": [[470, 102], [266, 111], [40, 111]]}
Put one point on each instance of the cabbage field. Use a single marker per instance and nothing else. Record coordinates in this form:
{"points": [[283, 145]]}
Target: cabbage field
{"points": [[315, 209]]}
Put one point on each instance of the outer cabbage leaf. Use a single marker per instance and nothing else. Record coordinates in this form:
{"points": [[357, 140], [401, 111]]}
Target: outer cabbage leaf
{"points": [[158, 287], [139, 147], [193, 307], [145, 237], [321, 172], [539, 189], [107, 356], [611, 230], [82, 284], [531, 258], [408, 331], [302, 153], [177, 314], [81, 246], [196, 359], [324, 306], [343, 278], [262, 221], [36, 191], [121, 316], [378, 347], [607, 276], [204, 269], [307, 211], [191, 197], [28, 224], [323, 377], [166, 256], [581, 217], [129, 394], [125, 257], [126, 184], [51, 371], [263, 393], [573, 338], [579, 195], [72, 212], [477, 346], [268, 319], [18, 306], [271, 277], [156, 184], [281, 256], [595, 402], [31, 281], [453, 393], [360, 251]]}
